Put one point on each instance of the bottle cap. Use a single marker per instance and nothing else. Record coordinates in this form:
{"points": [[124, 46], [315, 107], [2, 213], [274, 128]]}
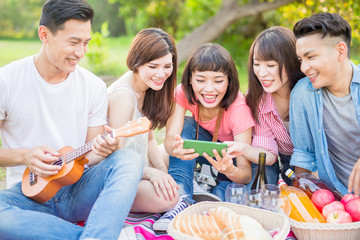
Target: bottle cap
{"points": [[281, 183], [289, 172]]}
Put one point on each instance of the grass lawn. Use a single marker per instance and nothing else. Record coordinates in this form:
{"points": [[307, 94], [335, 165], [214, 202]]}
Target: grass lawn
{"points": [[2, 174]]}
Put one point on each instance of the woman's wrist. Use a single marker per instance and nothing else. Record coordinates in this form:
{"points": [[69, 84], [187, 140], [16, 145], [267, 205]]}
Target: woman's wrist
{"points": [[232, 171]]}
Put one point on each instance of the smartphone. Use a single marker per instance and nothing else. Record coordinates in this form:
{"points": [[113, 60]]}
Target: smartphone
{"points": [[205, 146]]}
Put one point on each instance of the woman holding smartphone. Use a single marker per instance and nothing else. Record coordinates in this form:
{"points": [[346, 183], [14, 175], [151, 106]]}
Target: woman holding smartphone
{"points": [[209, 89]]}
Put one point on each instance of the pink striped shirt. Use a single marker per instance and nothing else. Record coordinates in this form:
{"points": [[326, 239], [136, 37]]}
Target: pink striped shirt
{"points": [[270, 133]]}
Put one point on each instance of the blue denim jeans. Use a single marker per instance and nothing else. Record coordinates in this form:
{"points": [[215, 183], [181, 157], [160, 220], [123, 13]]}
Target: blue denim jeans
{"points": [[103, 196]]}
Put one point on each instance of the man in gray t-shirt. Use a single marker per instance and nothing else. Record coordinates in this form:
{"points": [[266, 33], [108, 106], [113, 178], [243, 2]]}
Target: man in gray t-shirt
{"points": [[342, 133]]}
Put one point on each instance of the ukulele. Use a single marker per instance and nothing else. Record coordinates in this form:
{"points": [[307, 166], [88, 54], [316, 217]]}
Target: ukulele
{"points": [[42, 189]]}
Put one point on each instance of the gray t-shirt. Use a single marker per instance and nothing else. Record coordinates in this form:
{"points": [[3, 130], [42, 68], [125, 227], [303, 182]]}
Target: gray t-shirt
{"points": [[342, 133]]}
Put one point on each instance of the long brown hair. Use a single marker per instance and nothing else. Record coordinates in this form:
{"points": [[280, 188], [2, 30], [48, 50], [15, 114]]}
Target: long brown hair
{"points": [[273, 44], [148, 45], [211, 57]]}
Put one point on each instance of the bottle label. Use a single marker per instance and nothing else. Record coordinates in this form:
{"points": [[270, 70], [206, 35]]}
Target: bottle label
{"points": [[301, 208]]}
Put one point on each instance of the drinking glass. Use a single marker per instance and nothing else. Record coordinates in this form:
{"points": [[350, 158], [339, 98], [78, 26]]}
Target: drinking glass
{"points": [[271, 190], [236, 193], [279, 204], [256, 198]]}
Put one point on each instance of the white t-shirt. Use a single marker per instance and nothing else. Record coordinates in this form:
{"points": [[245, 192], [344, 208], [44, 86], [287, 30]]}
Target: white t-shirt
{"points": [[36, 113]]}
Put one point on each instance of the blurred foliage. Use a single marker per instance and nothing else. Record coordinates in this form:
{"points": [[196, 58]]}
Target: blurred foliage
{"points": [[19, 19], [288, 15], [179, 17], [97, 50], [108, 12]]}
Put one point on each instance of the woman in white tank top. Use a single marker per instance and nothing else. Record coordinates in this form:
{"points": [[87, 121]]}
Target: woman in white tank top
{"points": [[147, 90]]}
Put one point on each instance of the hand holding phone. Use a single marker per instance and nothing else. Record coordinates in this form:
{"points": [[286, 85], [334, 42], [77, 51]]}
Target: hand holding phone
{"points": [[204, 146]]}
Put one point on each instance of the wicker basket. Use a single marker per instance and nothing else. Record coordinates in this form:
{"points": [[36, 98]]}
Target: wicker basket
{"points": [[269, 220], [327, 231]]}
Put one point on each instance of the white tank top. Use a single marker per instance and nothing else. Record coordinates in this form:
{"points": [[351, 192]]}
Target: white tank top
{"points": [[138, 143]]}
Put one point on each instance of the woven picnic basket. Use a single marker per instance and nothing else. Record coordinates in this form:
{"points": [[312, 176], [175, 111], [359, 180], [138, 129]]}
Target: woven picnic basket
{"points": [[269, 220], [326, 231]]}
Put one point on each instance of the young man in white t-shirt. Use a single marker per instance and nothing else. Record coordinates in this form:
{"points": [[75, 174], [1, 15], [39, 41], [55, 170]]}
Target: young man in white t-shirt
{"points": [[47, 102]]}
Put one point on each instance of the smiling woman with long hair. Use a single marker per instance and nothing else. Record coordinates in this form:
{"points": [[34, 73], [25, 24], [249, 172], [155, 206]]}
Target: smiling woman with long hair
{"points": [[147, 90], [273, 69]]}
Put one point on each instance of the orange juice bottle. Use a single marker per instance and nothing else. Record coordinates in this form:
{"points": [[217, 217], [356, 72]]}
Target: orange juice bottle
{"points": [[302, 209]]}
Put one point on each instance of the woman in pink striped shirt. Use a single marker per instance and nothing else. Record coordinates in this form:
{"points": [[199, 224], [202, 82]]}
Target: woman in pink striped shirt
{"points": [[273, 70]]}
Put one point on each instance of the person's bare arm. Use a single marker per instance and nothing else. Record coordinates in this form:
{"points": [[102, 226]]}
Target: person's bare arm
{"points": [[240, 173], [120, 110], [154, 153], [301, 170], [354, 179], [173, 143], [36, 159], [249, 152], [101, 147]]}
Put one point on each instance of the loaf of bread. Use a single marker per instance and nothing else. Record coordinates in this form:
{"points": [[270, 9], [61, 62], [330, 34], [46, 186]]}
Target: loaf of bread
{"points": [[220, 220]]}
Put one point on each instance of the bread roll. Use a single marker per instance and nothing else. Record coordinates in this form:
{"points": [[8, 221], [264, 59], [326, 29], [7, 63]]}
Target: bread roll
{"points": [[202, 226], [210, 226]]}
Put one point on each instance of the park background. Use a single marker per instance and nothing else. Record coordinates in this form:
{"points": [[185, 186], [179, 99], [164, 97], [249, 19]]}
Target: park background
{"points": [[232, 23]]}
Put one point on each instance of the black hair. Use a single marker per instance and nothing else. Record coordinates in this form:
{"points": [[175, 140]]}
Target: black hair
{"points": [[56, 12], [211, 57], [326, 24]]}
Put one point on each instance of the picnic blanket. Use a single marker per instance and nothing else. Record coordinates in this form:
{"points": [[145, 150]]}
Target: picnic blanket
{"points": [[139, 227]]}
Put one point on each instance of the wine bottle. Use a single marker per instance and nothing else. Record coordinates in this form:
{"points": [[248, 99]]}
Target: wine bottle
{"points": [[309, 183], [260, 177], [302, 209]]}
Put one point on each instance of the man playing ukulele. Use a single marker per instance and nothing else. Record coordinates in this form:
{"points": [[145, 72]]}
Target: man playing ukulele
{"points": [[47, 102]]}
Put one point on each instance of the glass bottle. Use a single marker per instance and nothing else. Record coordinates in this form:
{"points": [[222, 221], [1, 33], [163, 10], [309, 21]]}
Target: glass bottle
{"points": [[302, 209], [260, 177], [309, 183]]}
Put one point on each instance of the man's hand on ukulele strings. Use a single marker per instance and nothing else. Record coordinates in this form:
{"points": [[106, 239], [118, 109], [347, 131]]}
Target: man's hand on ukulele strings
{"points": [[40, 161], [105, 147]]}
